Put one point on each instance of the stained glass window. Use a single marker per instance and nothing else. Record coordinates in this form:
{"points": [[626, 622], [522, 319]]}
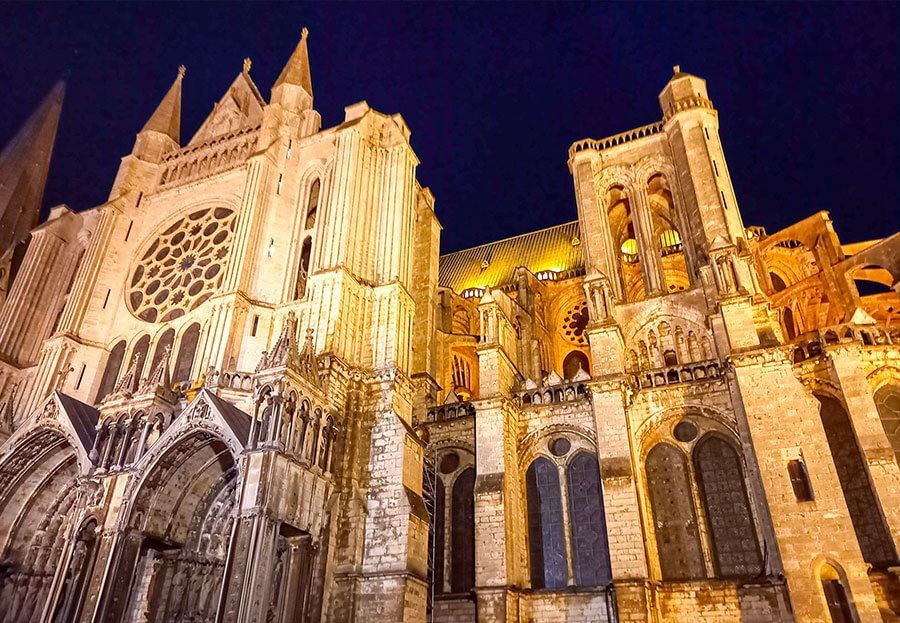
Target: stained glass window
{"points": [[547, 544], [589, 541]]}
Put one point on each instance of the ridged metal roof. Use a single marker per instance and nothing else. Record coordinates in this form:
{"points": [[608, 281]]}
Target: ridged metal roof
{"points": [[546, 249]]}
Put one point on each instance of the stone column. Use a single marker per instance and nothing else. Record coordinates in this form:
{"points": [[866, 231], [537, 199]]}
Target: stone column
{"points": [[785, 425], [648, 246]]}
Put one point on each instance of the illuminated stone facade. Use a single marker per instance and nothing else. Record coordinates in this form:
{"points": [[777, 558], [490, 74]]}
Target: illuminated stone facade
{"points": [[248, 387]]}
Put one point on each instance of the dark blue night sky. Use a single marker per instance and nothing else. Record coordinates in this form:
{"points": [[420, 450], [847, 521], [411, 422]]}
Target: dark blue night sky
{"points": [[496, 93]]}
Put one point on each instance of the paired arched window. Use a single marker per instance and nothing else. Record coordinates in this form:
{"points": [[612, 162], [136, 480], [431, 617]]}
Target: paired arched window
{"points": [[862, 502], [186, 350], [547, 522], [716, 473], [111, 372], [452, 535]]}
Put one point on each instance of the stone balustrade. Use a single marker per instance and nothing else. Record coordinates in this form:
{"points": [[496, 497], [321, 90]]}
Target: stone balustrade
{"points": [[592, 144]]}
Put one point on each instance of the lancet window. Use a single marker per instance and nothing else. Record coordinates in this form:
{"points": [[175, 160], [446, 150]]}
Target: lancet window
{"points": [[111, 372], [312, 205], [303, 269], [887, 402], [186, 350], [862, 502]]}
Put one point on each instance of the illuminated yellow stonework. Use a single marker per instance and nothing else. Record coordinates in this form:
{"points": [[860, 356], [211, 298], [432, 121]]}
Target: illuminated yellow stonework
{"points": [[248, 388]]}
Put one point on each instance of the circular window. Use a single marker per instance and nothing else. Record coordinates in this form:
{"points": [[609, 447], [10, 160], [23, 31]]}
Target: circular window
{"points": [[685, 431], [560, 446], [449, 463], [182, 266], [574, 323]]}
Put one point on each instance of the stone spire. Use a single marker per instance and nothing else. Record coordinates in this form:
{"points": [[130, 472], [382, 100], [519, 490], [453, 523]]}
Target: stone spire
{"points": [[166, 119], [293, 89], [162, 132], [24, 164], [296, 72]]}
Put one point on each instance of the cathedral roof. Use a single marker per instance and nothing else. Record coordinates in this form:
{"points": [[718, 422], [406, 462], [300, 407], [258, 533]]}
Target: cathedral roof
{"points": [[494, 264]]}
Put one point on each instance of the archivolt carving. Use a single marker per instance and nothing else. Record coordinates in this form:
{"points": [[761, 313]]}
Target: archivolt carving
{"points": [[612, 176], [648, 166], [182, 266], [883, 376]]}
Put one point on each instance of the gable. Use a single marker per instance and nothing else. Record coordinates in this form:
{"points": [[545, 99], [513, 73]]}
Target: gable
{"points": [[240, 107]]}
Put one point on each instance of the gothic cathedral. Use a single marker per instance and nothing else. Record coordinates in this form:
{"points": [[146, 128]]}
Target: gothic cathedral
{"points": [[248, 388]]}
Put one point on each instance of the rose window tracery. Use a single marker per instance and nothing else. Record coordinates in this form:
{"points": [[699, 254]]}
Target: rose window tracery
{"points": [[182, 266], [574, 323]]}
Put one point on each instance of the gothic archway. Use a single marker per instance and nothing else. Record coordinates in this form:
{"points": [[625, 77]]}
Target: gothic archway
{"points": [[38, 493], [179, 526]]}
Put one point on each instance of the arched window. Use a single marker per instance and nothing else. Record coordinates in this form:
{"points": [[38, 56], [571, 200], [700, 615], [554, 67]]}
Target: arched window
{"points": [[721, 482], [462, 544], [573, 361], [777, 282], [677, 537], [670, 358], [165, 341], [589, 541], [790, 328], [312, 206], [546, 539], [887, 402], [862, 503], [303, 269], [111, 372], [839, 607], [186, 350], [141, 349]]}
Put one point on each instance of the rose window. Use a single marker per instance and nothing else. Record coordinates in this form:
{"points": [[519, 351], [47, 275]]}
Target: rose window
{"points": [[182, 266], [574, 323]]}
